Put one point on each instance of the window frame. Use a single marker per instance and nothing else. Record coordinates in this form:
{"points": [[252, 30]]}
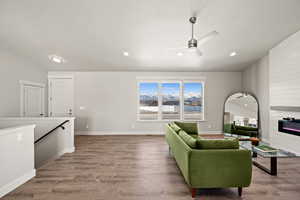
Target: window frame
{"points": [[160, 81]]}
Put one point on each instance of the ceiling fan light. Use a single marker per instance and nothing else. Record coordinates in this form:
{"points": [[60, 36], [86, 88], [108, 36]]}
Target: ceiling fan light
{"points": [[193, 49]]}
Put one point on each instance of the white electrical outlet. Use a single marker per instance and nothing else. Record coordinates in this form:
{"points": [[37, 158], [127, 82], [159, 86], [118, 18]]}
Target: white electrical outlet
{"points": [[133, 126], [209, 126], [87, 126]]}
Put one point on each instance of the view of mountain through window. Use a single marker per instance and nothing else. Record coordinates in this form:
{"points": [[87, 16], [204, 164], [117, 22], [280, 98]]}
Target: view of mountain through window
{"points": [[170, 100], [148, 101], [192, 101], [178, 100]]}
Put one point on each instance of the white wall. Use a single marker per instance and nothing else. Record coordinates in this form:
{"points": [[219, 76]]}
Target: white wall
{"points": [[256, 81], [14, 68], [285, 88], [110, 101], [16, 157]]}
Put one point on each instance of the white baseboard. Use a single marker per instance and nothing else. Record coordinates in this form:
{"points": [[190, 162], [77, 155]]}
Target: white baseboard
{"points": [[133, 132], [118, 133], [16, 183], [69, 150]]}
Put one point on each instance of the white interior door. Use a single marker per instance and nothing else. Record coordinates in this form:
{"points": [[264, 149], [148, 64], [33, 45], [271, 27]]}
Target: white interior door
{"points": [[32, 100], [61, 97]]}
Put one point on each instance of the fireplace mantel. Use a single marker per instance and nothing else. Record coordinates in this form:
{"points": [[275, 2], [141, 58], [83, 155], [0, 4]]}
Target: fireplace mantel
{"points": [[286, 108]]}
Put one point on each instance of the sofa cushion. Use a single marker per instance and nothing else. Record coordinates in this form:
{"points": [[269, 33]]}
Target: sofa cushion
{"points": [[245, 128], [228, 128], [245, 133], [217, 143], [189, 140], [175, 127], [188, 127]]}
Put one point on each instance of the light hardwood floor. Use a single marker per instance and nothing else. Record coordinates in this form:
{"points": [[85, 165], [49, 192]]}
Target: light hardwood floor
{"points": [[139, 167]]}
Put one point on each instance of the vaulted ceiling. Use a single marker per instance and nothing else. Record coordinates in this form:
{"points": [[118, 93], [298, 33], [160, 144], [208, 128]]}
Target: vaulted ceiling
{"points": [[93, 34]]}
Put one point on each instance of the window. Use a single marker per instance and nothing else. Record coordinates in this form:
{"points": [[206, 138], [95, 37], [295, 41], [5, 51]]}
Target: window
{"points": [[148, 109], [193, 101], [171, 100], [170, 105]]}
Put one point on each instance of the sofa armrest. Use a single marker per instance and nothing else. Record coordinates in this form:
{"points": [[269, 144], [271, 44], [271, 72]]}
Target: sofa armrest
{"points": [[220, 168], [189, 127], [180, 150]]}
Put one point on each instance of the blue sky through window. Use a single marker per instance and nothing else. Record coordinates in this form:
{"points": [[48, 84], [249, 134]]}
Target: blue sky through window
{"points": [[170, 89], [149, 89], [192, 89]]}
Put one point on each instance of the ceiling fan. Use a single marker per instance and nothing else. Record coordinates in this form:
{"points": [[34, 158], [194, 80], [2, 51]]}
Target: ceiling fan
{"points": [[193, 43]]}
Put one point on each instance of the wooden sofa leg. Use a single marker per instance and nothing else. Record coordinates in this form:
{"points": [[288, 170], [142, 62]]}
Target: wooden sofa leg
{"points": [[240, 189], [170, 152], [193, 191]]}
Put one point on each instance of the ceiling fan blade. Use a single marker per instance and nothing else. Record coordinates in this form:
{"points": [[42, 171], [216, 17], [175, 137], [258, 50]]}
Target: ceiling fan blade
{"points": [[197, 6], [177, 49], [198, 52], [207, 37]]}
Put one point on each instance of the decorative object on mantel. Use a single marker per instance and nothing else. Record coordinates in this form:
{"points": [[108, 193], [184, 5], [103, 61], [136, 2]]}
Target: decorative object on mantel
{"points": [[286, 108]]}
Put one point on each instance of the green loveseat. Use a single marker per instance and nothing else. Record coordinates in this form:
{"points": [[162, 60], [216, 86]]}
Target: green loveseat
{"points": [[241, 130], [207, 168]]}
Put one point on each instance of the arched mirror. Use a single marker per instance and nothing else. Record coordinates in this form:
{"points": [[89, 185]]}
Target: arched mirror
{"points": [[241, 116]]}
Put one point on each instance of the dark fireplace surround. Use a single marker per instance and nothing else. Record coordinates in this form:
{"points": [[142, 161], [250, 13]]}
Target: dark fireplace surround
{"points": [[289, 125]]}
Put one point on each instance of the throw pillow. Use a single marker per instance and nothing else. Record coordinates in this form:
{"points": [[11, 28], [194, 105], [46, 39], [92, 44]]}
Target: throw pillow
{"points": [[188, 127], [189, 140], [175, 127]]}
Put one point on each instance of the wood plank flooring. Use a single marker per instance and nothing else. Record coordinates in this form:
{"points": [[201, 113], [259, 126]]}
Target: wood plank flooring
{"points": [[139, 167]]}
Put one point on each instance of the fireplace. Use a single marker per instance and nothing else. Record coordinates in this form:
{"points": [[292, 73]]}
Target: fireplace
{"points": [[289, 125]]}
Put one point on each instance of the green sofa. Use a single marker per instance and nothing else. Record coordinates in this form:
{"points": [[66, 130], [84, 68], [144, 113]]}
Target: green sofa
{"points": [[241, 130], [208, 167]]}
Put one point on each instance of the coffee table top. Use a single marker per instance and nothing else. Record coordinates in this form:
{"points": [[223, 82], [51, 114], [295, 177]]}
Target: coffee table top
{"points": [[279, 153], [246, 143]]}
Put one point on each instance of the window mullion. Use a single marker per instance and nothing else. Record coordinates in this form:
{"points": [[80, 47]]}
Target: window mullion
{"points": [[138, 101], [181, 99], [159, 101]]}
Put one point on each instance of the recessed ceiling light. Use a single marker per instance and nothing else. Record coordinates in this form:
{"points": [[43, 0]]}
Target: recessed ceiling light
{"points": [[232, 54], [56, 59], [125, 53], [179, 54]]}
